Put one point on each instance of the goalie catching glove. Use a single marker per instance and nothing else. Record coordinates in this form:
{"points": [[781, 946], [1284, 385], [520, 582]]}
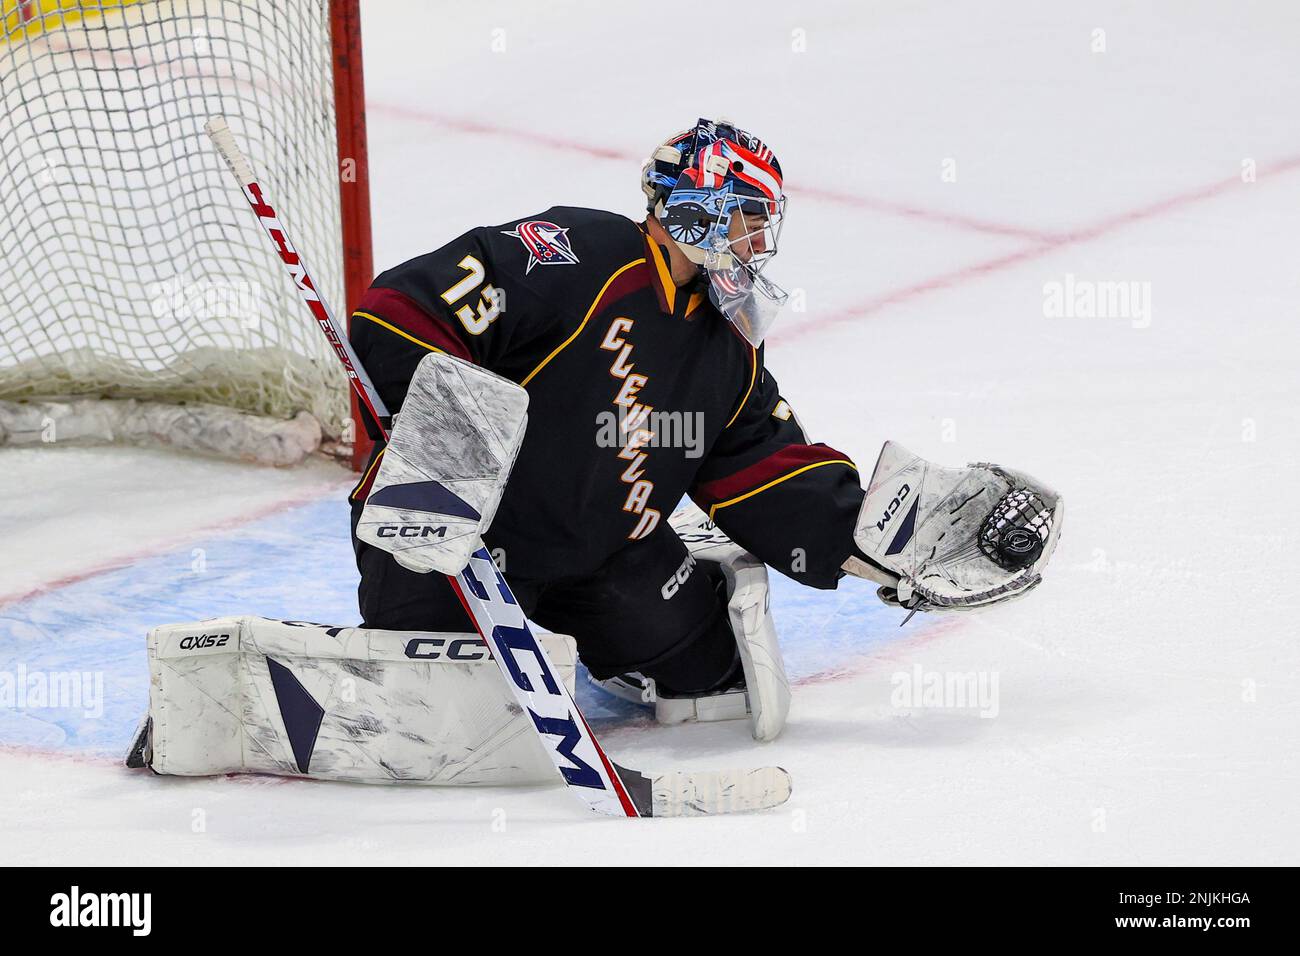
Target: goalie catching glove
{"points": [[951, 539]]}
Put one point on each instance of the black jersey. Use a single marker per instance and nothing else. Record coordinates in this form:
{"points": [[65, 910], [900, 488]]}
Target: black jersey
{"points": [[640, 392]]}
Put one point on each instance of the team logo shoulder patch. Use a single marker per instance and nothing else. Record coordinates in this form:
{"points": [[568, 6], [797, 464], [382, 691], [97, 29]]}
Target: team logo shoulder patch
{"points": [[547, 243]]}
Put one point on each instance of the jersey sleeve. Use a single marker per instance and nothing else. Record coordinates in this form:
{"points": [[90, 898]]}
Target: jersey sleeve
{"points": [[791, 503], [467, 299]]}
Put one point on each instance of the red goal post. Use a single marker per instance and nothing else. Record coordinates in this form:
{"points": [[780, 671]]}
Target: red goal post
{"points": [[350, 110]]}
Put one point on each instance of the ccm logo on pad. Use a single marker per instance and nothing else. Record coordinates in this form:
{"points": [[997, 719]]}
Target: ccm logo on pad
{"points": [[459, 649]]}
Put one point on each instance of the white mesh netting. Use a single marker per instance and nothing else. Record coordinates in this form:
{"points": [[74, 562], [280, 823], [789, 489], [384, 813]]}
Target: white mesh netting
{"points": [[132, 266]]}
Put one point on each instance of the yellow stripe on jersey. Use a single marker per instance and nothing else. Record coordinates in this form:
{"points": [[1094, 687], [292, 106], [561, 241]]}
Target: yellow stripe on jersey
{"points": [[394, 329], [777, 481], [665, 275], [693, 303], [366, 477], [753, 374], [600, 295]]}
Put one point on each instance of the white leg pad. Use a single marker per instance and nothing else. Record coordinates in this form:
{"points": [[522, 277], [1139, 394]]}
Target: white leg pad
{"points": [[767, 697], [247, 694]]}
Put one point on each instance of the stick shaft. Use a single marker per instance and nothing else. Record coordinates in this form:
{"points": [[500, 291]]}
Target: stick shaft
{"points": [[296, 266]]}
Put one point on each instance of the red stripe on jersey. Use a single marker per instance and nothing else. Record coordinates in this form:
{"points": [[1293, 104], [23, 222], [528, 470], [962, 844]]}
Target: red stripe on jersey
{"points": [[782, 462], [638, 277], [362, 490], [403, 313]]}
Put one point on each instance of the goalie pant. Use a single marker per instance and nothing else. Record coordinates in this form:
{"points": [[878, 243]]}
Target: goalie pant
{"points": [[650, 608], [578, 307]]}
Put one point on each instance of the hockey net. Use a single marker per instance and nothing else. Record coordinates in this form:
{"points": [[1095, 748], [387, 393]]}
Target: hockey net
{"points": [[131, 269]]}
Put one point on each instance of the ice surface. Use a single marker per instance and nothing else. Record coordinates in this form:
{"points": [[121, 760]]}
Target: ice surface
{"points": [[1148, 694]]}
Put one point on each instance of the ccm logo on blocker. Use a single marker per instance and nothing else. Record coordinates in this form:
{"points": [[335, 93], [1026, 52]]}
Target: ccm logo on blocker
{"points": [[411, 531]]}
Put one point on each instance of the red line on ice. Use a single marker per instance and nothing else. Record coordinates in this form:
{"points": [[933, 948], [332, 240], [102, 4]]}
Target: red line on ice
{"points": [[906, 210], [1045, 242], [978, 270], [921, 635]]}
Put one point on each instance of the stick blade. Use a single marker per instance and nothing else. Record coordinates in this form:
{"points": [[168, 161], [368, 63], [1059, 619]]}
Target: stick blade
{"points": [[219, 132], [686, 794]]}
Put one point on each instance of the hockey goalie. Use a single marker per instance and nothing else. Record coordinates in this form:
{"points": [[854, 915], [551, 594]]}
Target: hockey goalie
{"points": [[561, 383]]}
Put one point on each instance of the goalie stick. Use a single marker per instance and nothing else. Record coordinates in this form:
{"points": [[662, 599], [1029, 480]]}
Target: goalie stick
{"points": [[601, 784]]}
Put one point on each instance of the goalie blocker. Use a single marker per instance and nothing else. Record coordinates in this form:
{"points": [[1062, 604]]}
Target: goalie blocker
{"points": [[445, 466]]}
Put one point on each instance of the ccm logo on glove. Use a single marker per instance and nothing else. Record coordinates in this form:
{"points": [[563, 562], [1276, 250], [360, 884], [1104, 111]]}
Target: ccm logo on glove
{"points": [[894, 505]]}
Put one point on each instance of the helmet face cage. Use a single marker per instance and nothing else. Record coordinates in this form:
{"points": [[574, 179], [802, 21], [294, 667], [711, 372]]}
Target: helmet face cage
{"points": [[723, 223], [717, 192], [751, 227]]}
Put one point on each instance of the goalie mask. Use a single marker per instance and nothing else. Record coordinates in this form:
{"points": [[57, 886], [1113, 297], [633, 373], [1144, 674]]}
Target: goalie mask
{"points": [[716, 190]]}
